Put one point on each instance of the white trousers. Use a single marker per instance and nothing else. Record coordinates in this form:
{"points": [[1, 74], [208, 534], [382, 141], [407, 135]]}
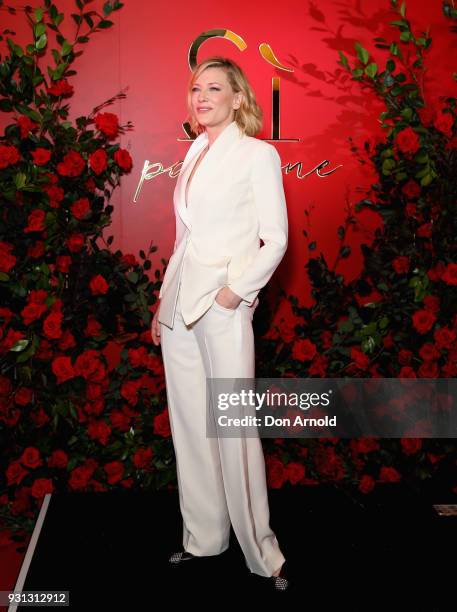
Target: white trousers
{"points": [[221, 481]]}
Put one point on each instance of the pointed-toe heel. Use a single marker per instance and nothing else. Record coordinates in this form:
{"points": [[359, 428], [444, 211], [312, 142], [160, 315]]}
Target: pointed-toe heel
{"points": [[180, 557], [281, 582]]}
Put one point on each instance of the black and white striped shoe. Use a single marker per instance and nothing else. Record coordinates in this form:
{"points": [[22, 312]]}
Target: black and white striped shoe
{"points": [[179, 557]]}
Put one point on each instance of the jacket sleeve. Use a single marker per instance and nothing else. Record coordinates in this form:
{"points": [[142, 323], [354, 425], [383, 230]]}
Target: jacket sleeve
{"points": [[270, 203]]}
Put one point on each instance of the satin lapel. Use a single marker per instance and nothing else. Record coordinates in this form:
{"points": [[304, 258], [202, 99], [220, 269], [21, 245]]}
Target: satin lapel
{"points": [[210, 162], [194, 150]]}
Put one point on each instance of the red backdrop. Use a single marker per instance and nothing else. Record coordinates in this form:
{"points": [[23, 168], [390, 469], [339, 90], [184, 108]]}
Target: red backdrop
{"points": [[147, 51]]}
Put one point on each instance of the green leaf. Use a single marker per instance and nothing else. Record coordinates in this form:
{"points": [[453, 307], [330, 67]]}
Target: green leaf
{"points": [[405, 36], [38, 14], [403, 9], [4, 277], [371, 70], [40, 29], [105, 23], [344, 60], [41, 42], [20, 345], [15, 49], [66, 48], [20, 180], [387, 166], [362, 53], [133, 277], [426, 180]]}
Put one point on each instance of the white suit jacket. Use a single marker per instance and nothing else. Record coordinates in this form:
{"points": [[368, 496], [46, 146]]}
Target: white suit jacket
{"points": [[236, 197]]}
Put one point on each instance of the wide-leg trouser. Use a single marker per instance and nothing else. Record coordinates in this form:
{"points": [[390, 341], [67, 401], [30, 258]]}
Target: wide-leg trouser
{"points": [[221, 481]]}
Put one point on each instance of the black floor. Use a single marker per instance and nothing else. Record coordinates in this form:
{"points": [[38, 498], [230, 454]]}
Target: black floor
{"points": [[111, 550]]}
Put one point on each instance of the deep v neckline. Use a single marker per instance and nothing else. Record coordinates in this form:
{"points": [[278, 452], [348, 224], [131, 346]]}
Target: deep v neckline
{"points": [[199, 160]]}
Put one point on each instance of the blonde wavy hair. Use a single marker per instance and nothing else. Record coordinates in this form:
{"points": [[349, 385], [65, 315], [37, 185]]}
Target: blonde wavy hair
{"points": [[249, 116]]}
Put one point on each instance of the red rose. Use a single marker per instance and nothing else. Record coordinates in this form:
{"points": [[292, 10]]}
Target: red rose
{"points": [[361, 360], [7, 261], [98, 285], [37, 250], [329, 463], [55, 194], [404, 357], [142, 458], [162, 424], [276, 472], [75, 242], [90, 184], [407, 372], [426, 115], [424, 230], [408, 141], [364, 445], [26, 125], [87, 363], [411, 189], [80, 208], [71, 165], [401, 265], [98, 161], [295, 472], [428, 352], [39, 417], [423, 320], [444, 123], [36, 221], [51, 325], [41, 487], [58, 459], [129, 391], [108, 123], [79, 477], [389, 474], [61, 88], [119, 420], [410, 209], [23, 396], [449, 275], [41, 156], [63, 369], [304, 350], [129, 259], [114, 471], [30, 458], [444, 337], [366, 484], [9, 156], [63, 263], [428, 369], [318, 366], [137, 357], [100, 431], [432, 303], [12, 337], [67, 341], [123, 159], [410, 446], [93, 327], [33, 312], [15, 473]]}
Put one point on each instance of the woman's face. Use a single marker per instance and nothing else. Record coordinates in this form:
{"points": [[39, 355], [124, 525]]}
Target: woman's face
{"points": [[212, 98]]}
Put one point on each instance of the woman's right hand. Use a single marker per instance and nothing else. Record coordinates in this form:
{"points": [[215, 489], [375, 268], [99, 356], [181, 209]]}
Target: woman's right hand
{"points": [[155, 327]]}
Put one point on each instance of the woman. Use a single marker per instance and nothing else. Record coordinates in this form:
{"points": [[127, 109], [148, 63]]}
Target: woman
{"points": [[228, 196]]}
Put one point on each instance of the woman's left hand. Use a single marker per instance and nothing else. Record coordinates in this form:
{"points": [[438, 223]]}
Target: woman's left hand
{"points": [[227, 298]]}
